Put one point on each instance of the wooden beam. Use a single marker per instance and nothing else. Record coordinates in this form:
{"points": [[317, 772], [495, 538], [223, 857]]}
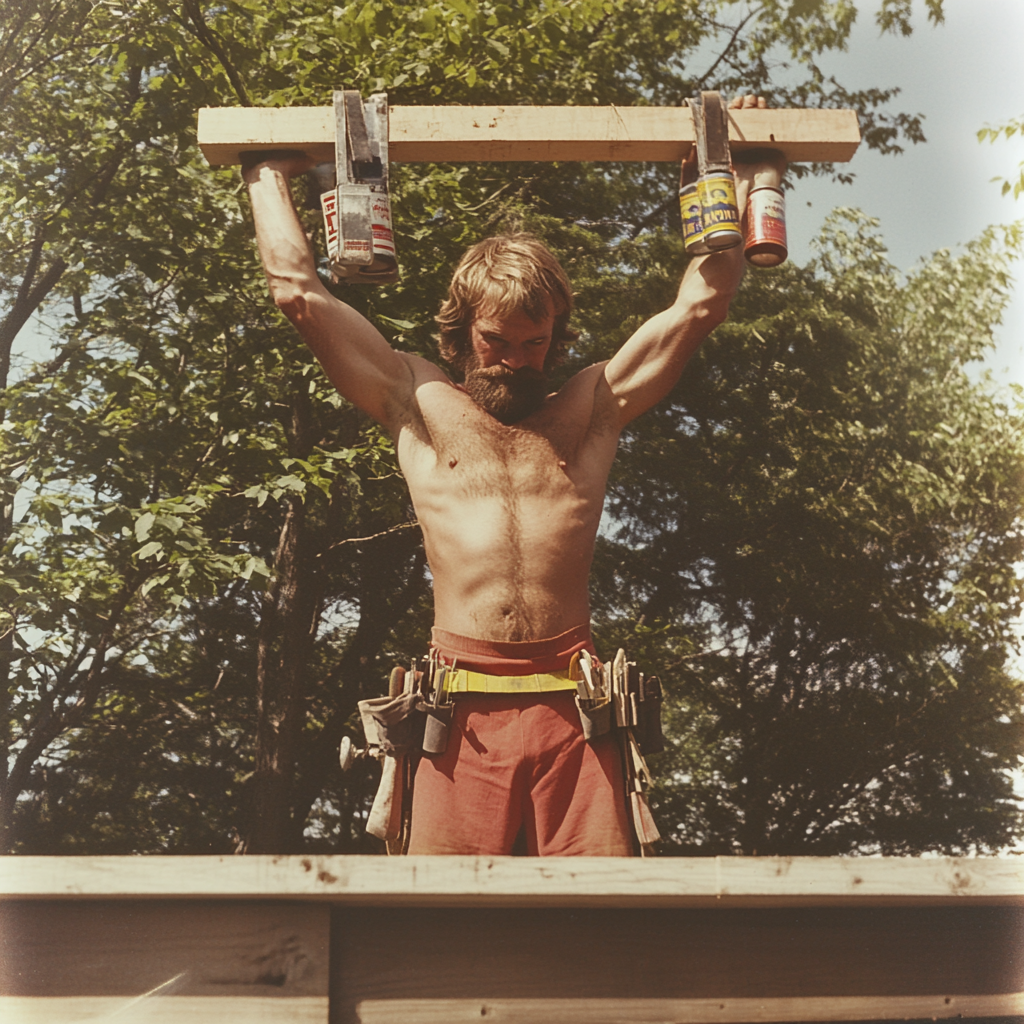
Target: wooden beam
{"points": [[723, 1010], [719, 882], [432, 966], [458, 134], [426, 940], [138, 960]]}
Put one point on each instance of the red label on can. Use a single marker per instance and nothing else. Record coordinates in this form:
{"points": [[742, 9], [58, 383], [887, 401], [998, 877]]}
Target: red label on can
{"points": [[766, 217], [380, 222], [329, 205]]}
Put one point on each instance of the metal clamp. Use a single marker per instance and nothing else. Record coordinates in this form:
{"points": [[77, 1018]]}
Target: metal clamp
{"points": [[357, 211]]}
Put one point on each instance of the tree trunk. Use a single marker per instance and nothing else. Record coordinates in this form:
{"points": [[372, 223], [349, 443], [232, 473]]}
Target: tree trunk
{"points": [[287, 630]]}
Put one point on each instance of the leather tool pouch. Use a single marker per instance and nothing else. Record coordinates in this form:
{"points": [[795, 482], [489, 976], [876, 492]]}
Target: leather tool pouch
{"points": [[595, 716], [399, 722], [435, 734], [648, 728]]}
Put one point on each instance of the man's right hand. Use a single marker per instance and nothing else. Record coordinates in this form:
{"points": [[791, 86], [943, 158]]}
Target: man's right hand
{"points": [[289, 162]]}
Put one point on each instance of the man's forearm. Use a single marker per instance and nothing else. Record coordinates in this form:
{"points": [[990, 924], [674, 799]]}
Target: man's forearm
{"points": [[354, 355], [284, 248], [710, 284]]}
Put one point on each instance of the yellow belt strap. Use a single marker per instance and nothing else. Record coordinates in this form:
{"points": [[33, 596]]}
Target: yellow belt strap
{"points": [[464, 681]]}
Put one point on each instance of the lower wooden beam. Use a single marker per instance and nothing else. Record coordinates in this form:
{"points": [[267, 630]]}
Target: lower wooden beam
{"points": [[460, 134], [163, 1010], [311, 1010], [726, 1010]]}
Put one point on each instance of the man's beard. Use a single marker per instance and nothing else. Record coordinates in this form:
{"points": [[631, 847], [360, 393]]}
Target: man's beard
{"points": [[508, 395]]}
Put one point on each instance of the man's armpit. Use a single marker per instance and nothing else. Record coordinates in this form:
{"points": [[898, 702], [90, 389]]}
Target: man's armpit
{"points": [[606, 416]]}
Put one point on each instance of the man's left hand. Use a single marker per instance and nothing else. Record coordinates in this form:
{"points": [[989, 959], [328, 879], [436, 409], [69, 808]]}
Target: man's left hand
{"points": [[744, 172]]}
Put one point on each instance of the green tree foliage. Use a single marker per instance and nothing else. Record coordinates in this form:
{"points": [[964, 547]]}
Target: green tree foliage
{"points": [[1006, 131], [208, 557], [828, 566]]}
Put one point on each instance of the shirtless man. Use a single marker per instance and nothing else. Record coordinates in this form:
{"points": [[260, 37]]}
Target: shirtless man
{"points": [[508, 484]]}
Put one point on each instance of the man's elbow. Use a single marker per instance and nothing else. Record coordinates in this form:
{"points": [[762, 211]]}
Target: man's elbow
{"points": [[292, 299], [715, 309], [704, 315]]}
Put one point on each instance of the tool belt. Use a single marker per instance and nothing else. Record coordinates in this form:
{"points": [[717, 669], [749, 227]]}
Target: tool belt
{"points": [[414, 719]]}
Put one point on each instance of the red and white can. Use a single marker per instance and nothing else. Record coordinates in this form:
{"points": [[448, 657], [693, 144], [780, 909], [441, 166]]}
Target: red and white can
{"points": [[765, 242], [380, 223], [329, 205]]}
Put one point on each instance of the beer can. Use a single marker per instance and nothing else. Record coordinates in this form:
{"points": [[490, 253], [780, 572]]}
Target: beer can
{"points": [[765, 242], [721, 218], [693, 223]]}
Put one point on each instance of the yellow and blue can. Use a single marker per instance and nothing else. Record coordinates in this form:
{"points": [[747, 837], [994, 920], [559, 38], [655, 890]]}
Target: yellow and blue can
{"points": [[693, 222], [719, 214]]}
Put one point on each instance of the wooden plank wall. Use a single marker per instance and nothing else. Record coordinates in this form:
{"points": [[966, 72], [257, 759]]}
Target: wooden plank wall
{"points": [[338, 940], [163, 960], [446, 966]]}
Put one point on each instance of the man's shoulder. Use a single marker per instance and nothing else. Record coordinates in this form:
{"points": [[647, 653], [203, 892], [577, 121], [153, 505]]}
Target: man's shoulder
{"points": [[587, 387], [423, 369], [589, 377], [430, 396], [585, 404]]}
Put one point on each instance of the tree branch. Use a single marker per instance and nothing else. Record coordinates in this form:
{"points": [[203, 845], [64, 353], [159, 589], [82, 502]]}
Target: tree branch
{"points": [[728, 46], [206, 36]]}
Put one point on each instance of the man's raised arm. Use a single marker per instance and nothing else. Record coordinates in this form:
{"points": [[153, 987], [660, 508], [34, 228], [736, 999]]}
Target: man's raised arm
{"points": [[648, 365], [354, 354]]}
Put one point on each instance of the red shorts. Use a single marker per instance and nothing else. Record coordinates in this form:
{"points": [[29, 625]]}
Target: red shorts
{"points": [[519, 761]]}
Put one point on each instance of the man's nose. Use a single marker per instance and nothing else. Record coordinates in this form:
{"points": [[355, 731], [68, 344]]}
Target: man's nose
{"points": [[514, 357]]}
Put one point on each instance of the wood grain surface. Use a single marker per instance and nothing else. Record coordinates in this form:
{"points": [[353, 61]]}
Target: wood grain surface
{"points": [[524, 881], [163, 1010], [419, 966], [139, 958], [524, 940], [451, 133], [676, 954], [683, 1011]]}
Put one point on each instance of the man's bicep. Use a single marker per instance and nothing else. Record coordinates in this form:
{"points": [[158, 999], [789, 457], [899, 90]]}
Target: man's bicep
{"points": [[356, 357], [647, 366]]}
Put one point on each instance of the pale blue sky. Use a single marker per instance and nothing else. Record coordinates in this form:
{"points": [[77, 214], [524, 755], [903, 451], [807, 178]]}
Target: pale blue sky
{"points": [[962, 75]]}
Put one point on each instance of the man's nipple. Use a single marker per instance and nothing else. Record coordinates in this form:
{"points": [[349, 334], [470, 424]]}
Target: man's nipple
{"points": [[561, 464], [452, 463]]}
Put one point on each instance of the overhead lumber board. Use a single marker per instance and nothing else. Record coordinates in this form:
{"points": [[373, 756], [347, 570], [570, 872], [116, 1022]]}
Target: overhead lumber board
{"points": [[209, 962], [526, 882], [458, 134]]}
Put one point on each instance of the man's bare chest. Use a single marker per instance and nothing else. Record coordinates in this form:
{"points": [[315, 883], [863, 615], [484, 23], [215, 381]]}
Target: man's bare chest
{"points": [[466, 451]]}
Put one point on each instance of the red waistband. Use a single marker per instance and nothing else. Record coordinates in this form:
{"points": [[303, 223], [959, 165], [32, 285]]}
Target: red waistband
{"points": [[512, 658]]}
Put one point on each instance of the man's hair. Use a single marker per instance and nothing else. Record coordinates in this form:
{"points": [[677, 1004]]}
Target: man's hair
{"points": [[502, 275]]}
